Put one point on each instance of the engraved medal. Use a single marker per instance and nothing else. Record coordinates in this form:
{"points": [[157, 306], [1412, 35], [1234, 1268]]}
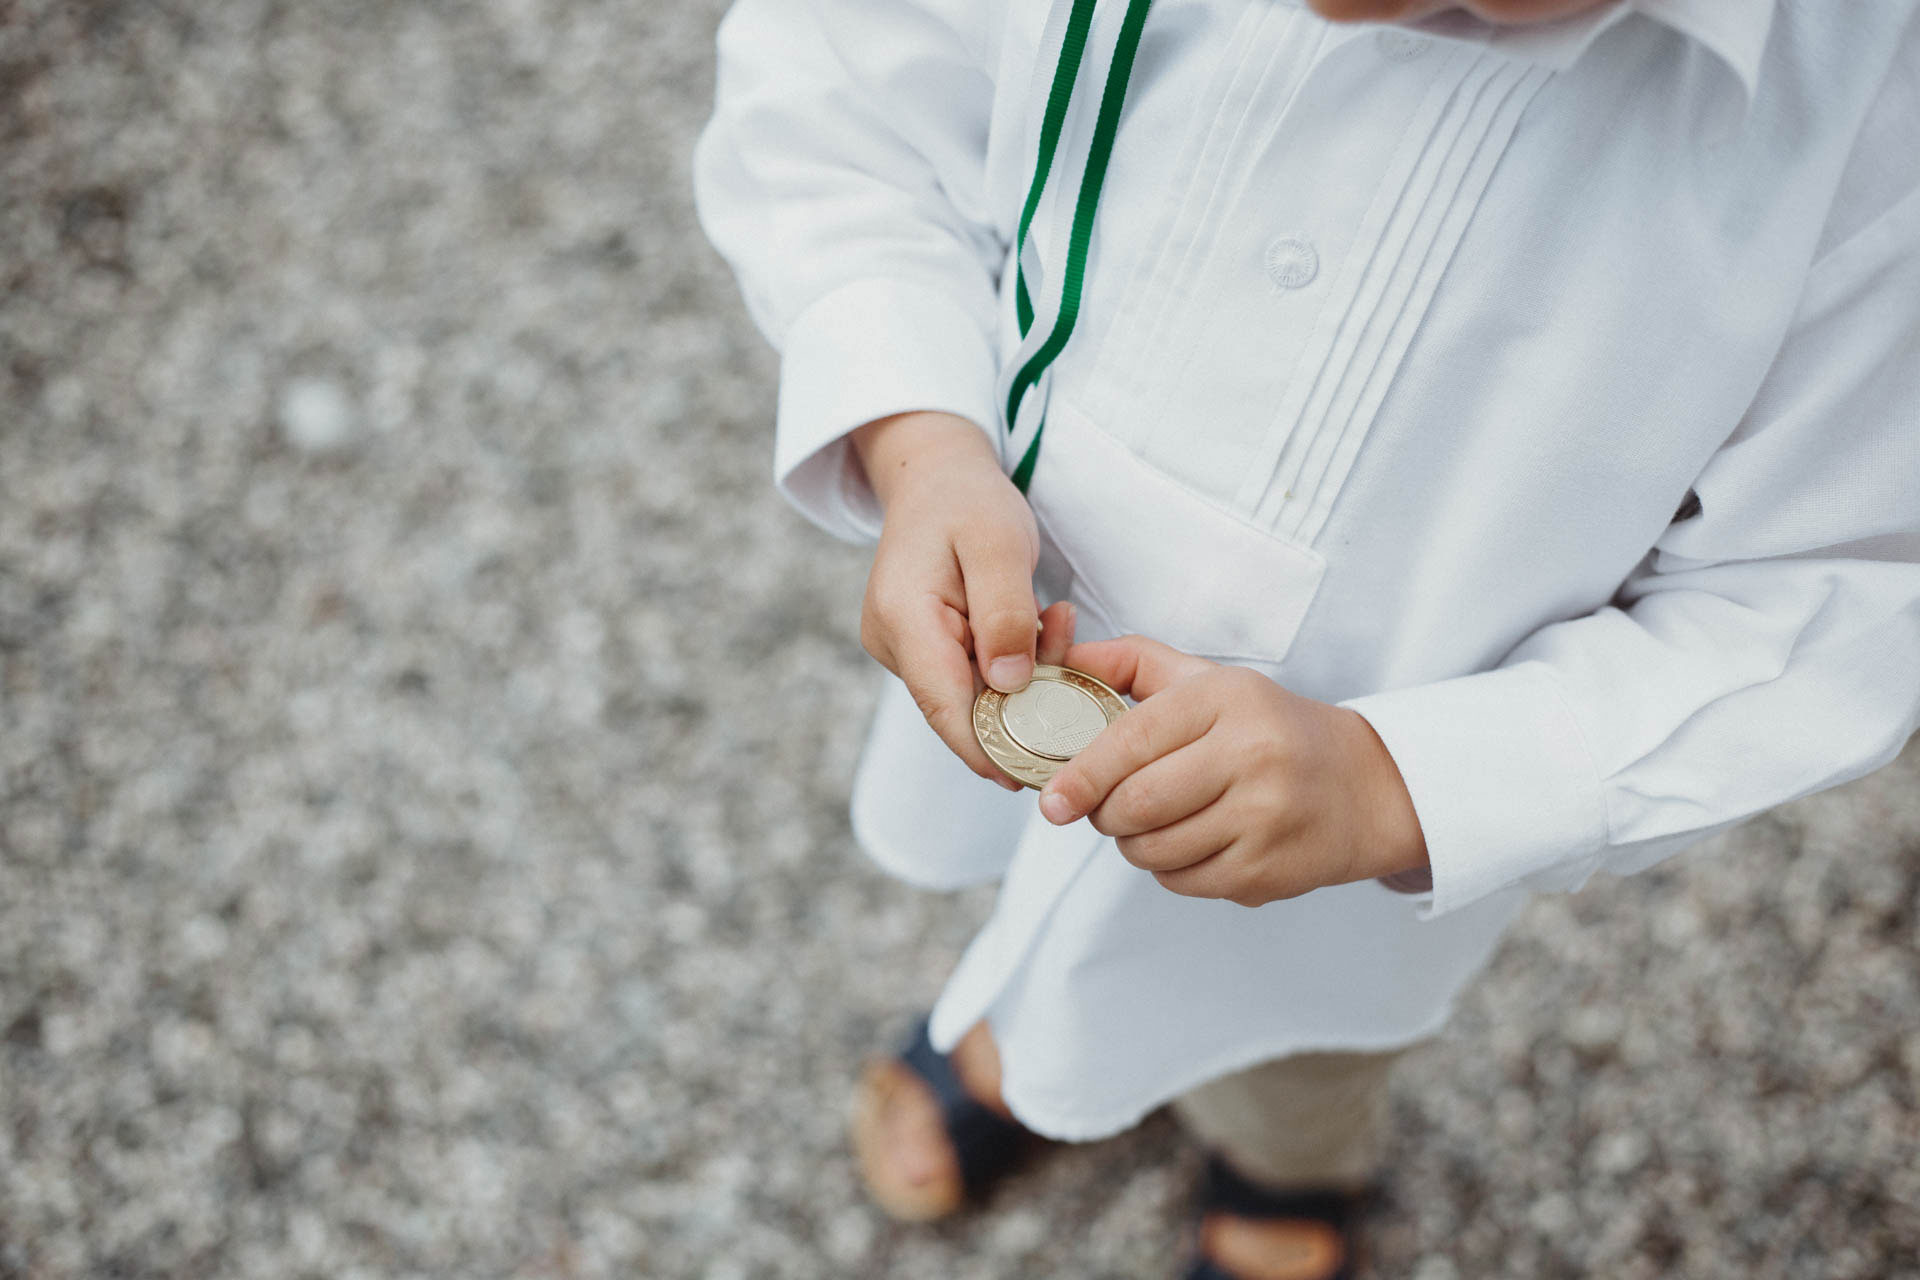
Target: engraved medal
{"points": [[1030, 734]]}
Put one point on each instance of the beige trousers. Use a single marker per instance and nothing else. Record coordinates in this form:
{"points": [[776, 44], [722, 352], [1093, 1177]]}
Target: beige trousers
{"points": [[1309, 1120]]}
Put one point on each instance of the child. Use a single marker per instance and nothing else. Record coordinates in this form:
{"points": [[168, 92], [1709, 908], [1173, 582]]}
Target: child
{"points": [[1484, 439]]}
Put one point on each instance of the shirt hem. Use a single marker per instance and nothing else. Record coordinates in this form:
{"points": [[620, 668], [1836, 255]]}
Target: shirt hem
{"points": [[1067, 1125]]}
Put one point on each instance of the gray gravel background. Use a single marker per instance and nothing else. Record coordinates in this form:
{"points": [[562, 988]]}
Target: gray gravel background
{"points": [[397, 876]]}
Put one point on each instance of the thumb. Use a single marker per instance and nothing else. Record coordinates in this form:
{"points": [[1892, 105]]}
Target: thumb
{"points": [[996, 568], [1135, 665]]}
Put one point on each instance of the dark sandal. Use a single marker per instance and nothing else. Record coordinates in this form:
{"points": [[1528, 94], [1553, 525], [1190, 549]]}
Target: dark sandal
{"points": [[1327, 1219], [986, 1144]]}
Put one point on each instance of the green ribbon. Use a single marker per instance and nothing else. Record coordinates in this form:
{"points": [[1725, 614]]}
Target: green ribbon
{"points": [[1100, 154], [1066, 72]]}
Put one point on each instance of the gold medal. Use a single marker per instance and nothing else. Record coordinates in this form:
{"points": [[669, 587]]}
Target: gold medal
{"points": [[1030, 734]]}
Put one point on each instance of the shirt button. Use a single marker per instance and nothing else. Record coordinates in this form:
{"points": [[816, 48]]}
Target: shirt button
{"points": [[1292, 262], [1400, 46]]}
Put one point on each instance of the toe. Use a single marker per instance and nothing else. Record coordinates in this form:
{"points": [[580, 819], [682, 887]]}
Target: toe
{"points": [[1273, 1249], [906, 1159]]}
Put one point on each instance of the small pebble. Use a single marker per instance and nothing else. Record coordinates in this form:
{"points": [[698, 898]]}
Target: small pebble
{"points": [[315, 415]]}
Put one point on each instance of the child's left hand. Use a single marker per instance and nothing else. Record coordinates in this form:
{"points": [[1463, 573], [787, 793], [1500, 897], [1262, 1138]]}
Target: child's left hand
{"points": [[1223, 784]]}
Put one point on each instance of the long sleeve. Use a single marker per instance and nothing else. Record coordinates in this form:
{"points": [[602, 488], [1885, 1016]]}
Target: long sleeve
{"points": [[1766, 648], [842, 176]]}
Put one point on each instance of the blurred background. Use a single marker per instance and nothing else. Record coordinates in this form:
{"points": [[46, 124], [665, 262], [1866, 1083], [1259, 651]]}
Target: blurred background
{"points": [[425, 738]]}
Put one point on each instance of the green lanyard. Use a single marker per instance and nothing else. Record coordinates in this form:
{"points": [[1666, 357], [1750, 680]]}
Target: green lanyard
{"points": [[1100, 153]]}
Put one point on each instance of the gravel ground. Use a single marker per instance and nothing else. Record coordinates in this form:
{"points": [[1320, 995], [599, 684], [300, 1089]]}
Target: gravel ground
{"points": [[424, 738]]}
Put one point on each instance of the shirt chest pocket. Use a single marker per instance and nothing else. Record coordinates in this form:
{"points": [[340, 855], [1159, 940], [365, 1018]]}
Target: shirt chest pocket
{"points": [[1148, 555]]}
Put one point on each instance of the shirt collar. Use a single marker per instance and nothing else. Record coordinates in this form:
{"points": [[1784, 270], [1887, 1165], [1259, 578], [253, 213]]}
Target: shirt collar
{"points": [[1733, 31]]}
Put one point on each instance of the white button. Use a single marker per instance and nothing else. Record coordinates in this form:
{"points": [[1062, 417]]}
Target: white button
{"points": [[1401, 46], [1292, 262]]}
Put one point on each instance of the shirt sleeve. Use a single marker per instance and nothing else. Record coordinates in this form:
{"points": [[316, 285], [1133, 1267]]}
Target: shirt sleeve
{"points": [[842, 177], [1765, 648]]}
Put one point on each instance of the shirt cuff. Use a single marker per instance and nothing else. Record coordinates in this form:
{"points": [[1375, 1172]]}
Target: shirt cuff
{"points": [[868, 350], [1500, 777]]}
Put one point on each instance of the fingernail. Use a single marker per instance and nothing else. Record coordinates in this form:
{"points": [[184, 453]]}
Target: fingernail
{"points": [[1009, 675], [1055, 809], [1011, 786]]}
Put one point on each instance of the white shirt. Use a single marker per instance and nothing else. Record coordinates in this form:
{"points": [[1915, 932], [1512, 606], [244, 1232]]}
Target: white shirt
{"points": [[1397, 354]]}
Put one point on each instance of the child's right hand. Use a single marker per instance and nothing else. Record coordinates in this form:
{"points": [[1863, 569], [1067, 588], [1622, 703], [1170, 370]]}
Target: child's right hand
{"points": [[950, 596]]}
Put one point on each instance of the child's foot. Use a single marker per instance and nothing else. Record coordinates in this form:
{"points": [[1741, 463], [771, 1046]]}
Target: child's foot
{"points": [[1248, 1232], [903, 1134], [1281, 1249]]}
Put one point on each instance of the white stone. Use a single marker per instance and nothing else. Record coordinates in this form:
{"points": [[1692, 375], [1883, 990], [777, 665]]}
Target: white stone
{"points": [[1553, 1215], [849, 1236], [315, 415], [1622, 1152]]}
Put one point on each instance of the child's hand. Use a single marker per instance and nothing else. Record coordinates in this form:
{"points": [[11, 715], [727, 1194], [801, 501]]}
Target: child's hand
{"points": [[1226, 785], [952, 580]]}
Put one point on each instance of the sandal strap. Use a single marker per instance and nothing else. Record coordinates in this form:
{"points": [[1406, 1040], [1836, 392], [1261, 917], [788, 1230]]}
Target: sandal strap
{"points": [[985, 1142], [1205, 1269], [1224, 1190]]}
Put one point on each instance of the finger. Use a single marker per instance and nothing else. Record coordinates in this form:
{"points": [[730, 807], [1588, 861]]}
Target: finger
{"points": [[1056, 637], [1135, 665], [1176, 786], [933, 664], [1144, 734], [996, 569], [1218, 876], [1193, 839]]}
